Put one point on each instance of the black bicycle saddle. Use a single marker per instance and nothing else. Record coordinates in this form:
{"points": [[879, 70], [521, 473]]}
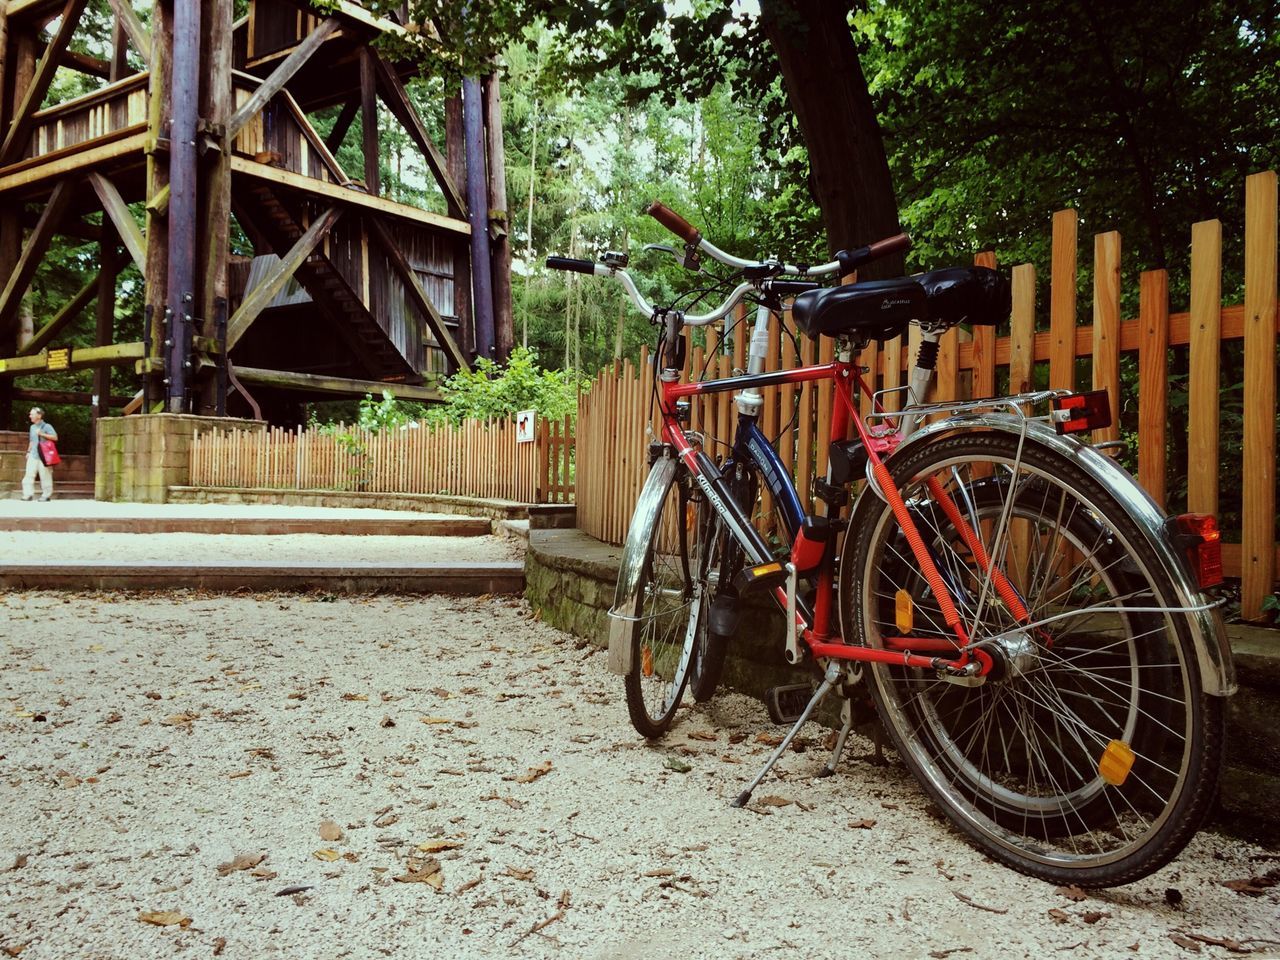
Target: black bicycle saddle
{"points": [[871, 310]]}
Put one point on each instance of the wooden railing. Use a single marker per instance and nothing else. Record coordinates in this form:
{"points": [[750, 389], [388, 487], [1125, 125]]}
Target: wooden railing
{"points": [[113, 111], [478, 459], [613, 416]]}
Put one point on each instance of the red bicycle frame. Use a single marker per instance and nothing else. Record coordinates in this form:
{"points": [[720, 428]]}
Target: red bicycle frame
{"points": [[819, 636]]}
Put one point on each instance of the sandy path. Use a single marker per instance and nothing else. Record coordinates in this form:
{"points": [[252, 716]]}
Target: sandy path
{"points": [[147, 741]]}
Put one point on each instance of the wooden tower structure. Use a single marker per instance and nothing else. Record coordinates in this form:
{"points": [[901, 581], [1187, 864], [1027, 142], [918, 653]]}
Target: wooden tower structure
{"points": [[201, 128]]}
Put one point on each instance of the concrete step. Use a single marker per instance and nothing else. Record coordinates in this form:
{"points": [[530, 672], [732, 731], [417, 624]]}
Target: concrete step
{"points": [[472, 579], [252, 526], [72, 490]]}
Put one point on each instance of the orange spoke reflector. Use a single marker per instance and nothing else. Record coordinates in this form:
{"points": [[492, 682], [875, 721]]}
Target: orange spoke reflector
{"points": [[690, 515], [903, 612], [646, 661], [1117, 761]]}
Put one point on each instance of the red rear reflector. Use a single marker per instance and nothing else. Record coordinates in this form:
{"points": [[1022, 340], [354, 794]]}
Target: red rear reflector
{"points": [[1081, 411], [1199, 536]]}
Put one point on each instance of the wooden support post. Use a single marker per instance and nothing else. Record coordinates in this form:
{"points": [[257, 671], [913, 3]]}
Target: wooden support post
{"points": [[104, 333], [1205, 352], [68, 313], [213, 243], [1153, 382], [418, 296], [257, 298], [1106, 327], [157, 234], [461, 249], [33, 253], [279, 77], [369, 123], [1062, 302], [503, 321], [1258, 550], [33, 96], [118, 215]]}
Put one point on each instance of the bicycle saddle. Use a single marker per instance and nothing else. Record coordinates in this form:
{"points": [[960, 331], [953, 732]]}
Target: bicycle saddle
{"points": [[871, 310], [977, 295]]}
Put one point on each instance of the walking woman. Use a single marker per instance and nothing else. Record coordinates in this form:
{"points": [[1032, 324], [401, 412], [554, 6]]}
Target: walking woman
{"points": [[35, 464]]}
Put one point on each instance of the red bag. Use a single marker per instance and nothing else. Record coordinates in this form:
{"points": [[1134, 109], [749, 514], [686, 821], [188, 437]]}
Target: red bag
{"points": [[49, 453]]}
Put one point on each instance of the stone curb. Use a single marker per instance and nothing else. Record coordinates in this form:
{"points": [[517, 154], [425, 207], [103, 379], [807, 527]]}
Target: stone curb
{"points": [[280, 526]]}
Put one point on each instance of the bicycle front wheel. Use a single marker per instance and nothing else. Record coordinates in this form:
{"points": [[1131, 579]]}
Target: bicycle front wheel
{"points": [[1090, 753], [671, 608]]}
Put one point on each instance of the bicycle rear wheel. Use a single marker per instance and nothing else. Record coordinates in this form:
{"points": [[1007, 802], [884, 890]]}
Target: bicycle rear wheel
{"points": [[671, 608], [1090, 754]]}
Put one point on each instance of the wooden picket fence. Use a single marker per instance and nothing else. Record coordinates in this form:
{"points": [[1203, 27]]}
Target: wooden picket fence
{"points": [[477, 459], [614, 416]]}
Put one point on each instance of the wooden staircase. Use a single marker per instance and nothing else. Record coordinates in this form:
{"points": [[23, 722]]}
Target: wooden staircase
{"points": [[332, 294]]}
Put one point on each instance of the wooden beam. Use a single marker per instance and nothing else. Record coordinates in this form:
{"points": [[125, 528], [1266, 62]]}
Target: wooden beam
{"points": [[397, 98], [33, 252], [20, 125], [69, 312], [314, 140], [118, 211], [356, 14], [279, 77], [416, 294], [347, 195], [79, 358], [93, 66], [369, 121], [52, 166], [35, 395], [342, 124], [256, 299], [138, 35], [289, 380]]}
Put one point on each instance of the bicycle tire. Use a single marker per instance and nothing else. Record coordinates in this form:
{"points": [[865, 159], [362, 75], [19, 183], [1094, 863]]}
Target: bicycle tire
{"points": [[1016, 762], [669, 594]]}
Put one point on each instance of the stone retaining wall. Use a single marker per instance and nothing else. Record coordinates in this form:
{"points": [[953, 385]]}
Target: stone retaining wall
{"points": [[139, 457], [570, 578]]}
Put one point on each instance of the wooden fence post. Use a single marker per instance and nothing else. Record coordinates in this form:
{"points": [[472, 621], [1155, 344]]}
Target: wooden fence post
{"points": [[1062, 302], [1258, 548], [1106, 327], [1203, 456], [1153, 381]]}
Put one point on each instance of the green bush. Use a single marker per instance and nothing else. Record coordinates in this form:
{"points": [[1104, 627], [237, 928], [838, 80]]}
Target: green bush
{"points": [[495, 392]]}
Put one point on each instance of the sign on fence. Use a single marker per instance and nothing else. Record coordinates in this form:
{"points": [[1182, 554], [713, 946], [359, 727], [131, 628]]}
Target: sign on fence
{"points": [[526, 421]]}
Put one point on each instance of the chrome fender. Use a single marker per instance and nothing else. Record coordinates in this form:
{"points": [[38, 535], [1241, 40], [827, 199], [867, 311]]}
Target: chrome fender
{"points": [[1208, 632], [635, 553]]}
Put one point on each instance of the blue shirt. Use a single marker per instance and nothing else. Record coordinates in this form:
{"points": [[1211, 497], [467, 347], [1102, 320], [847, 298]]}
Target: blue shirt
{"points": [[36, 430]]}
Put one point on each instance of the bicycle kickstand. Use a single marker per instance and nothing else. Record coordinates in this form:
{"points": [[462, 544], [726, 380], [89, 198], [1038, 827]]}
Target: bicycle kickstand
{"points": [[846, 718], [828, 682]]}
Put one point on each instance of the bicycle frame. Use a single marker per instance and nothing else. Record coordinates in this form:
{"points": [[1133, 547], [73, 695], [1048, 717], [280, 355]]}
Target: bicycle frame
{"points": [[817, 634]]}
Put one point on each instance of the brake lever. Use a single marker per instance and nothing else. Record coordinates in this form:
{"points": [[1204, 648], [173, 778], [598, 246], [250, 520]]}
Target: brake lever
{"points": [[689, 259]]}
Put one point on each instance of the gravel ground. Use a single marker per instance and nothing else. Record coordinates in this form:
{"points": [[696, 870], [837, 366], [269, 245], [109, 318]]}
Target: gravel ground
{"points": [[256, 511], [150, 746], [288, 550]]}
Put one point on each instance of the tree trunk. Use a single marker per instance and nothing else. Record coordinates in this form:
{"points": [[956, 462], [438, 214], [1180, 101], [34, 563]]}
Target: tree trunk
{"points": [[849, 173]]}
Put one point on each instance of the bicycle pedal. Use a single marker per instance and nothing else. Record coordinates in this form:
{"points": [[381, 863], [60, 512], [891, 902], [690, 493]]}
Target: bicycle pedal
{"points": [[772, 574], [786, 703]]}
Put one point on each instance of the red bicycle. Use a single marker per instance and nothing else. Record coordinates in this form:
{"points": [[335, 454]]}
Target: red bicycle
{"points": [[1032, 629]]}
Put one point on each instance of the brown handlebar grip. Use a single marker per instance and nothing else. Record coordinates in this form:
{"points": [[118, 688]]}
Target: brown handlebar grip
{"points": [[677, 224], [889, 245]]}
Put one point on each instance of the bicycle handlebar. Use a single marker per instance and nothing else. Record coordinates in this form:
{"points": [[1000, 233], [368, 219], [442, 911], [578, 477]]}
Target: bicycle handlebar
{"points": [[677, 224], [572, 264]]}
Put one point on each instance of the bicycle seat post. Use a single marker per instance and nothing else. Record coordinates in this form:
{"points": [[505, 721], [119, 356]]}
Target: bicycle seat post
{"points": [[750, 401]]}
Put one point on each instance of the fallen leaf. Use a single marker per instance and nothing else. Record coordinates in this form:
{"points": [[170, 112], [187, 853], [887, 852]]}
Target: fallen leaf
{"points": [[662, 872], [773, 800], [262, 873], [704, 735], [1059, 916], [152, 695], [219, 944], [245, 861], [15, 949], [297, 888], [435, 846], [19, 861], [769, 739], [386, 722], [386, 820], [436, 719], [327, 855], [180, 719], [426, 871], [330, 831], [239, 774], [362, 697], [678, 765], [470, 884], [533, 773], [862, 824], [1235, 946], [737, 736], [1071, 892], [1093, 916], [519, 873], [165, 918], [1254, 886]]}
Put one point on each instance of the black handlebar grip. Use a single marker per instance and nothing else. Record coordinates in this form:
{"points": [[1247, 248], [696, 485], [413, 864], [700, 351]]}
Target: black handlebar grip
{"points": [[850, 260], [570, 263]]}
